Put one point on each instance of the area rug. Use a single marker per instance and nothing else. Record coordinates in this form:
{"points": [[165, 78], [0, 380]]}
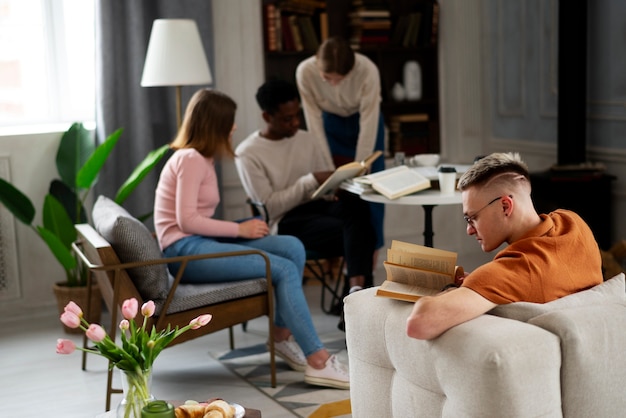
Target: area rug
{"points": [[252, 364]]}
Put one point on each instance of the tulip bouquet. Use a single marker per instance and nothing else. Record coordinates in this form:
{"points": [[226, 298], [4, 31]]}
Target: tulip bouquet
{"points": [[137, 352]]}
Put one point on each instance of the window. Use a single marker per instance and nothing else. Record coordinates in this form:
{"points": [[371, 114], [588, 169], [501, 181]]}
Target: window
{"points": [[47, 61]]}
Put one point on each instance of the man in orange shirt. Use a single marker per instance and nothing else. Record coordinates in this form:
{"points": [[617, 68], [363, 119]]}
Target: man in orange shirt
{"points": [[548, 256]]}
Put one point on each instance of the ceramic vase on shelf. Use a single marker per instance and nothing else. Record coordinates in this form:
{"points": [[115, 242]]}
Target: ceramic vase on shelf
{"points": [[397, 92], [412, 80], [137, 388]]}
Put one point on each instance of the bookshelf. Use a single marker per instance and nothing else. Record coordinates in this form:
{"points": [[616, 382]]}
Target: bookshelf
{"points": [[386, 32]]}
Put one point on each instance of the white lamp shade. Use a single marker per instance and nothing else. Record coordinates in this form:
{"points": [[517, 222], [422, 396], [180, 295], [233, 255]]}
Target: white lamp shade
{"points": [[175, 55]]}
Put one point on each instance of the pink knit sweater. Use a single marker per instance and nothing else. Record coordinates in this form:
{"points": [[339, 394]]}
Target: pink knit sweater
{"points": [[186, 197]]}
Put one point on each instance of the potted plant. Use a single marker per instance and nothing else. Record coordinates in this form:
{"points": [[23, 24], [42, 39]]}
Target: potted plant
{"points": [[78, 163]]}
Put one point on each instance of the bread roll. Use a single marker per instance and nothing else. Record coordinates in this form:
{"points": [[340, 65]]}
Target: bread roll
{"points": [[221, 406], [190, 411], [213, 414]]}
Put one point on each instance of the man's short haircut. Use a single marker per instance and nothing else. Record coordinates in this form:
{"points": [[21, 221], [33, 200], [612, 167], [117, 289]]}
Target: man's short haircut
{"points": [[274, 93], [492, 165]]}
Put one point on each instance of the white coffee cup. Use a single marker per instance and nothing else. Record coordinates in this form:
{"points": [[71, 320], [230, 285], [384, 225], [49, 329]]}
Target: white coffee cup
{"points": [[447, 180]]}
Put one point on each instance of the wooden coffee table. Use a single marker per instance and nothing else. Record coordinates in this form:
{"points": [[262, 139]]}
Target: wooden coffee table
{"points": [[250, 413]]}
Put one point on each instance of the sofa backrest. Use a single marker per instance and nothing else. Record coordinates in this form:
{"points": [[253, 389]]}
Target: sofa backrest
{"points": [[591, 327], [611, 291]]}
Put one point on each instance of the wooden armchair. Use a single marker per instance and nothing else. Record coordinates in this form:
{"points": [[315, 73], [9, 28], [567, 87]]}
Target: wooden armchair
{"points": [[128, 263]]}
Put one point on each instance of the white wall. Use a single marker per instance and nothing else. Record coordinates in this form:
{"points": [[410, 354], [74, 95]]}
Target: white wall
{"points": [[31, 167], [465, 132]]}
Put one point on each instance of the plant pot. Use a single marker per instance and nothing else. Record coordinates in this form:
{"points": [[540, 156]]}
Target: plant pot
{"points": [[64, 294]]}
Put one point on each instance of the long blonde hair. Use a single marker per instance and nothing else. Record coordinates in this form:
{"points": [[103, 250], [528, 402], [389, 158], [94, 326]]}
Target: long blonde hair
{"points": [[208, 122]]}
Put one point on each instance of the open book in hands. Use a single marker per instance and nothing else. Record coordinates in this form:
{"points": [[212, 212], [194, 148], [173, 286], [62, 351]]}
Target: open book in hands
{"points": [[414, 271], [345, 172]]}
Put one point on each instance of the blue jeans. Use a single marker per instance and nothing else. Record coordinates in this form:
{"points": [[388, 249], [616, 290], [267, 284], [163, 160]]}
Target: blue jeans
{"points": [[287, 258], [342, 134]]}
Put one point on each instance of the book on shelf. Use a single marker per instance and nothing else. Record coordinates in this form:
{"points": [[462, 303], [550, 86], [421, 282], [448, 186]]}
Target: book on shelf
{"points": [[345, 172], [278, 29], [414, 271], [323, 26], [287, 34], [396, 182], [411, 36], [435, 24], [309, 37], [296, 33], [270, 27]]}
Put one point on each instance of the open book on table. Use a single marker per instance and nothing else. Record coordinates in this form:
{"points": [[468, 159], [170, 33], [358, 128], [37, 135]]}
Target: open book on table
{"points": [[345, 172], [414, 271], [396, 182]]}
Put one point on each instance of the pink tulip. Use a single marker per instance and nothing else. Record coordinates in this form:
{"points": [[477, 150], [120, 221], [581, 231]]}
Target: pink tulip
{"points": [[200, 321], [124, 324], [74, 308], [147, 309], [70, 319], [65, 346], [129, 308], [96, 333]]}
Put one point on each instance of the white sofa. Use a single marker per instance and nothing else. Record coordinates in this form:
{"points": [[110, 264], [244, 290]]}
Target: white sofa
{"points": [[560, 359]]}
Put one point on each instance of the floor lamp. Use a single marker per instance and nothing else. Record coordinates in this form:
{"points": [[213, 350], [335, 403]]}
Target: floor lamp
{"points": [[175, 57]]}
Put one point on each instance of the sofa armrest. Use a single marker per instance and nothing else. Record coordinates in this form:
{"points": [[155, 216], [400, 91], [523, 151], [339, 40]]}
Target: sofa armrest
{"points": [[477, 369]]}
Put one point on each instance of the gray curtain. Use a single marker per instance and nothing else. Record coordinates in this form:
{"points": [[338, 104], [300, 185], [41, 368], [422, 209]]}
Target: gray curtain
{"points": [[146, 114]]}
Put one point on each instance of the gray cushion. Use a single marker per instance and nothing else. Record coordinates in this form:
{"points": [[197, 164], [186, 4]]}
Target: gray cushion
{"points": [[611, 291], [132, 241], [190, 296]]}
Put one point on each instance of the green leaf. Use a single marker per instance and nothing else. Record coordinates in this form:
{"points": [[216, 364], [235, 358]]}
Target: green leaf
{"points": [[16, 202], [57, 221], [139, 173], [66, 196], [89, 171], [62, 254], [75, 148]]}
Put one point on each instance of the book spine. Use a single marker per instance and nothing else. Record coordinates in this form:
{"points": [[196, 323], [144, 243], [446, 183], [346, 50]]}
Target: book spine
{"points": [[270, 27], [288, 44], [435, 28], [323, 26], [296, 33], [278, 27]]}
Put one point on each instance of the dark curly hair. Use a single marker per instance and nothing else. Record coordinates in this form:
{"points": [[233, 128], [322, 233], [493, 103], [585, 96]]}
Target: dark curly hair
{"points": [[274, 93]]}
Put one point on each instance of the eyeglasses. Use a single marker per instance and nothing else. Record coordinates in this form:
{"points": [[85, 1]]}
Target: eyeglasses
{"points": [[470, 219]]}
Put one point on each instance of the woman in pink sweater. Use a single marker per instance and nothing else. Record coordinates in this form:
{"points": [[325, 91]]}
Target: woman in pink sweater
{"points": [[186, 198]]}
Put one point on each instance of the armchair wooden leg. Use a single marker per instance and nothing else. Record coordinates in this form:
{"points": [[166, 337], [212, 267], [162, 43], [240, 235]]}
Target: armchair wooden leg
{"points": [[231, 338]]}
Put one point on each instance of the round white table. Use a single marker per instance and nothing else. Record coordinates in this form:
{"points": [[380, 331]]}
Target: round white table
{"points": [[428, 199]]}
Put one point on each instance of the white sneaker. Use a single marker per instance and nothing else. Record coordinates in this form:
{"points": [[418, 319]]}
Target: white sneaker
{"points": [[333, 375], [290, 351]]}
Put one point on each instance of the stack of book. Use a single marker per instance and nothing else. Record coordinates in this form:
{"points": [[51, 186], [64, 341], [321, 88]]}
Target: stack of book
{"points": [[419, 28], [295, 25], [370, 27]]}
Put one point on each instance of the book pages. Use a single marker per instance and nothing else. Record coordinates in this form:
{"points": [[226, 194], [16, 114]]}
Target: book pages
{"points": [[417, 277], [344, 172], [403, 291], [414, 271]]}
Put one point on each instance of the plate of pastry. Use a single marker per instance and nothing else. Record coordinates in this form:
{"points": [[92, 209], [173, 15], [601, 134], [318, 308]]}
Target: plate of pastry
{"points": [[213, 408]]}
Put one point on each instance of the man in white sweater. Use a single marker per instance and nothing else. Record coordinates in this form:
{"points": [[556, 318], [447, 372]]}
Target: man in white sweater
{"points": [[281, 166]]}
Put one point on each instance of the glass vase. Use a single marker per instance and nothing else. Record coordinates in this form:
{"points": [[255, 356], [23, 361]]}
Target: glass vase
{"points": [[137, 388]]}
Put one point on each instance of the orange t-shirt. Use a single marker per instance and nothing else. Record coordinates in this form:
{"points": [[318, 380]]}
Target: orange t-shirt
{"points": [[557, 258]]}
